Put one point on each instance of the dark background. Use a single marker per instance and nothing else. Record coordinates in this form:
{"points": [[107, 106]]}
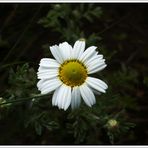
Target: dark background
{"points": [[123, 26]]}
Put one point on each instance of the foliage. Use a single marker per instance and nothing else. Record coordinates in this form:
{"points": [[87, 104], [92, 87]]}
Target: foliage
{"points": [[70, 29]]}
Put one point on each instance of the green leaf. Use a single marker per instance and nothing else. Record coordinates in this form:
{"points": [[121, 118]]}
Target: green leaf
{"points": [[38, 128]]}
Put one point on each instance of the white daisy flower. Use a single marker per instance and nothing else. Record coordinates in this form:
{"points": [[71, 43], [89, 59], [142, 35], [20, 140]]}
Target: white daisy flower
{"points": [[68, 74]]}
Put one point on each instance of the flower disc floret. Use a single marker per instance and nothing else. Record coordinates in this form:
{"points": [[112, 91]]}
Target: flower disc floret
{"points": [[73, 73]]}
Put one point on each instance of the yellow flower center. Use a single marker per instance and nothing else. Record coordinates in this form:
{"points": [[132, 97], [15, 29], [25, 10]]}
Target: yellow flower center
{"points": [[72, 73]]}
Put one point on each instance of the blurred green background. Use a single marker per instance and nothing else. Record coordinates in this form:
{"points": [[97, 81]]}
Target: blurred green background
{"points": [[120, 33]]}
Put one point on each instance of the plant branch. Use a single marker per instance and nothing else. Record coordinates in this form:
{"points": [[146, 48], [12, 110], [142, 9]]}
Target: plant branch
{"points": [[24, 99]]}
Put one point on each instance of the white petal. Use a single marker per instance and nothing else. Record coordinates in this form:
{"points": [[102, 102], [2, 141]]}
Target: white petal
{"points": [[95, 91], [41, 68], [78, 49], [56, 53], [49, 63], [64, 97], [95, 63], [66, 50], [96, 84], [94, 57], [54, 97], [67, 100], [88, 53], [75, 98], [87, 95], [97, 68], [40, 83], [60, 97], [47, 73], [48, 85]]}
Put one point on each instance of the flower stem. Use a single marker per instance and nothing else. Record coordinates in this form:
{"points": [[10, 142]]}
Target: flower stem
{"points": [[23, 99]]}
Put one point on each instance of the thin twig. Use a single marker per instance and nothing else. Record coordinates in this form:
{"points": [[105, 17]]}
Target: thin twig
{"points": [[113, 24], [24, 99], [9, 18], [22, 35]]}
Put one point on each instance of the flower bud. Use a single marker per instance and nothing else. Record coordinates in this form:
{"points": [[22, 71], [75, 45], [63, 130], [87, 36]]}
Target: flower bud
{"points": [[112, 124]]}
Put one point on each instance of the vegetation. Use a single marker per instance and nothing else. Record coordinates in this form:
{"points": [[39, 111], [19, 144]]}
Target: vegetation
{"points": [[118, 30]]}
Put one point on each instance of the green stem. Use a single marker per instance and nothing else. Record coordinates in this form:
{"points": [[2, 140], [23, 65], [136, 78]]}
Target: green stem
{"points": [[23, 99]]}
